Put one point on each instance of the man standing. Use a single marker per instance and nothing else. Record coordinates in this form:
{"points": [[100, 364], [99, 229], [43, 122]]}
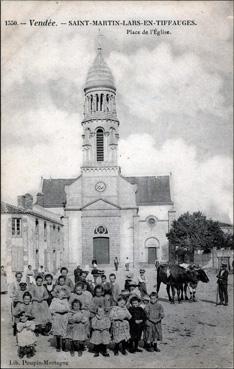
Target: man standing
{"points": [[223, 284], [116, 263], [115, 290]]}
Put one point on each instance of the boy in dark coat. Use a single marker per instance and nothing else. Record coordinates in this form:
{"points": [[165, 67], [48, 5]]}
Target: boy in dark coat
{"points": [[137, 323]]}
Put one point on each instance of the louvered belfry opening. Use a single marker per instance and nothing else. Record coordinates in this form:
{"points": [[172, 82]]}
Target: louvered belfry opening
{"points": [[100, 145]]}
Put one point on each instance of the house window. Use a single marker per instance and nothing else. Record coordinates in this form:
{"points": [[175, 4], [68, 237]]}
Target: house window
{"points": [[100, 145], [16, 227]]}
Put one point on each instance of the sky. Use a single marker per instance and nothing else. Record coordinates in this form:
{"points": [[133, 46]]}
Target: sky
{"points": [[174, 96]]}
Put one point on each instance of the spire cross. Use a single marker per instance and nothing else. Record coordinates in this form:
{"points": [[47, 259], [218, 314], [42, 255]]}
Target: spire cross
{"points": [[99, 39]]}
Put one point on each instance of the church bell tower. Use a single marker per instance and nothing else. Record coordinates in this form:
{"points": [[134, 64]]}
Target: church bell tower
{"points": [[100, 123]]}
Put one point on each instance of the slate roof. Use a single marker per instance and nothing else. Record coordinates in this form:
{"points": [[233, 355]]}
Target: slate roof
{"points": [[12, 209], [151, 190], [99, 73], [54, 193]]}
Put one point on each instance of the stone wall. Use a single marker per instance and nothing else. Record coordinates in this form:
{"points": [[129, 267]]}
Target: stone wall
{"points": [[34, 246], [89, 223]]}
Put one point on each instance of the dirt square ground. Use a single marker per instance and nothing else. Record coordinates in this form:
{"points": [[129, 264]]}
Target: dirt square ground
{"points": [[195, 335]]}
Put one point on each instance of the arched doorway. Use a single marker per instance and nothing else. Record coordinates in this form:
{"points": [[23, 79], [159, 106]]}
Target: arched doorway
{"points": [[152, 245], [101, 250]]}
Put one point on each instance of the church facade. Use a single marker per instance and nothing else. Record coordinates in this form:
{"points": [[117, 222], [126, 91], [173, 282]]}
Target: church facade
{"points": [[104, 213]]}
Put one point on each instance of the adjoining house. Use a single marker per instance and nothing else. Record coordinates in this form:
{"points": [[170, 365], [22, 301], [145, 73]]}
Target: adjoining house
{"points": [[30, 235]]}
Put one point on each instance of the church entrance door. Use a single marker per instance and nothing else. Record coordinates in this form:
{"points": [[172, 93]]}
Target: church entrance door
{"points": [[152, 255], [101, 250]]}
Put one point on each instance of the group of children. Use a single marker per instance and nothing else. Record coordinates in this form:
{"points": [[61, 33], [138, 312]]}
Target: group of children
{"points": [[98, 312]]}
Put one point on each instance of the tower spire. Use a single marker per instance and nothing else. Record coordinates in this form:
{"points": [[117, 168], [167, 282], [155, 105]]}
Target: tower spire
{"points": [[99, 40], [100, 123]]}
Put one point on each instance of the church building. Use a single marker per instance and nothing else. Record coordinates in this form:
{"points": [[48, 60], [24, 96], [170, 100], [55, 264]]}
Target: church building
{"points": [[105, 214]]}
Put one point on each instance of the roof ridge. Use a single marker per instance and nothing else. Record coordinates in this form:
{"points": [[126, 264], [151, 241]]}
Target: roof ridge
{"points": [[14, 206]]}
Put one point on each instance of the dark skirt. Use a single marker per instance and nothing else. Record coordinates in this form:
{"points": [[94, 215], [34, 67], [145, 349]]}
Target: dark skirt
{"points": [[136, 331]]}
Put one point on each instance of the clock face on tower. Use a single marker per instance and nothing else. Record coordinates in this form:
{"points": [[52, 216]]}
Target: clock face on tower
{"points": [[100, 186]]}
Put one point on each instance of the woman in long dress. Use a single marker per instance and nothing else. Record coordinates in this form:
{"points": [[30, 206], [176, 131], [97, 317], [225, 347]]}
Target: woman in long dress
{"points": [[40, 307], [4, 288]]}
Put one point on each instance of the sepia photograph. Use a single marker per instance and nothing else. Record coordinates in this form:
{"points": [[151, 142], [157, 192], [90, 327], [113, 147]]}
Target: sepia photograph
{"points": [[117, 184]]}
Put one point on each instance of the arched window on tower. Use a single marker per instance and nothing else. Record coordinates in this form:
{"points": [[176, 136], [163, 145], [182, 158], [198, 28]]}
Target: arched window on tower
{"points": [[101, 102], [97, 102], [100, 144], [107, 102], [91, 103]]}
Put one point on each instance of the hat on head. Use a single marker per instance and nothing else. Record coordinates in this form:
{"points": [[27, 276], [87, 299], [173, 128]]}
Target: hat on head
{"points": [[135, 298], [132, 284], [142, 270], [224, 264], [129, 275], [124, 293]]}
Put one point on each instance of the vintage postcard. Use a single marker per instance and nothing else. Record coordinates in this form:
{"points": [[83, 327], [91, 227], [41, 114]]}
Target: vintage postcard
{"points": [[116, 196]]}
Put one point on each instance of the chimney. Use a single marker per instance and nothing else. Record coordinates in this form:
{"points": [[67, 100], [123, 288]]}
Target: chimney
{"points": [[25, 201], [28, 201], [21, 201], [40, 199]]}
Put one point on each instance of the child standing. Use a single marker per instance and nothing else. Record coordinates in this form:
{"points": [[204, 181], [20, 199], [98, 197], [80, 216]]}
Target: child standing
{"points": [[79, 294], [60, 285], [26, 338], [24, 306], [77, 327], [133, 292], [17, 300], [144, 303], [49, 286], [59, 309], [154, 313], [40, 307], [97, 300], [137, 323], [119, 316], [142, 282], [100, 337]]}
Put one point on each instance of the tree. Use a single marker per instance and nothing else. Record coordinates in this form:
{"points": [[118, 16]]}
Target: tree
{"points": [[228, 241], [194, 231]]}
